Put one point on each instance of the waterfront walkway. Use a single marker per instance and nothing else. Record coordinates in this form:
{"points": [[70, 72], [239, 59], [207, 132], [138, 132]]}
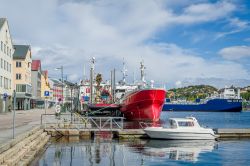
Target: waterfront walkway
{"points": [[25, 121]]}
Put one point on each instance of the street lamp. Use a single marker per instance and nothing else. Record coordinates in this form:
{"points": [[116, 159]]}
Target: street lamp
{"points": [[72, 99], [14, 114], [61, 68]]}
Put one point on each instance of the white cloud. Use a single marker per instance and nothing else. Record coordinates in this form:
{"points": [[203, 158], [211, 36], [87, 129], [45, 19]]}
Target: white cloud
{"points": [[70, 33], [235, 52], [203, 12], [247, 39], [178, 84], [236, 22], [236, 26]]}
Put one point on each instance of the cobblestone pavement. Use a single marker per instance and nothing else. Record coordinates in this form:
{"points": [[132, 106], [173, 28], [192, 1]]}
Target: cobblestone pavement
{"points": [[24, 121]]}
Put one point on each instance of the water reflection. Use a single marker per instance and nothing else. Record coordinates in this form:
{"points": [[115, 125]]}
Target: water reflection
{"points": [[178, 149], [105, 151]]}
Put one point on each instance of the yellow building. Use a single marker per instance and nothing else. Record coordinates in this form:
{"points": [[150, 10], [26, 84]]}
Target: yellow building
{"points": [[22, 76]]}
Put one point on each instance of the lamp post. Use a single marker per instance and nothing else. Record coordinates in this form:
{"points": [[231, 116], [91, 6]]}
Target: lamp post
{"points": [[14, 114], [71, 101], [73, 88], [61, 68]]}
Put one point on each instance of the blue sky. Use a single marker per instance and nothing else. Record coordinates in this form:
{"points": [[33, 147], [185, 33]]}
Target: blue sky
{"points": [[181, 41]]}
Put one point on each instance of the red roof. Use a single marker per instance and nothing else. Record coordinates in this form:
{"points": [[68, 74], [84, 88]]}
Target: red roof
{"points": [[36, 65]]}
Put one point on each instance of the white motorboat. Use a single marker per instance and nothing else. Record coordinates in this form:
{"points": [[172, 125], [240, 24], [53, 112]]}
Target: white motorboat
{"points": [[181, 129]]}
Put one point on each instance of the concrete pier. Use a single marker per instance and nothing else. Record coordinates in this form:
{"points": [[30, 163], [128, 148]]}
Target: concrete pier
{"points": [[130, 133], [222, 133], [139, 133], [232, 133]]}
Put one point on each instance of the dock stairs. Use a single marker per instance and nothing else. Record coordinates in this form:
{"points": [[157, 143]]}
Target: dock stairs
{"points": [[23, 149]]}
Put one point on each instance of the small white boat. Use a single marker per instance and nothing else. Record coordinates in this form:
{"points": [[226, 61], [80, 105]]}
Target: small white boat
{"points": [[181, 129]]}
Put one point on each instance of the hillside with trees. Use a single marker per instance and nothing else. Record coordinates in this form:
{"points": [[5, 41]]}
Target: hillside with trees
{"points": [[245, 93], [191, 93]]}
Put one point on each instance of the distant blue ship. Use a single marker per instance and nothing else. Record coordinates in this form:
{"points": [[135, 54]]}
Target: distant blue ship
{"points": [[226, 102]]}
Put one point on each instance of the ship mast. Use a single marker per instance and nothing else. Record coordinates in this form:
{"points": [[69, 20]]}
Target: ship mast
{"points": [[142, 68], [91, 78], [84, 73], [124, 75]]}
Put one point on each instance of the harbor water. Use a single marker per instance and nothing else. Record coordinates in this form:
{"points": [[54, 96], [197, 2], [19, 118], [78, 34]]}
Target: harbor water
{"points": [[103, 150], [144, 152], [213, 119]]}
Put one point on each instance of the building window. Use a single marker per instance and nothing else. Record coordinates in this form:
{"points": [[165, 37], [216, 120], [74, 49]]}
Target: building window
{"points": [[18, 64], [7, 50], [4, 48], [7, 66], [5, 83], [20, 88], [4, 65], [9, 84], [10, 53], [1, 63], [10, 68], [1, 46], [1, 81], [18, 76]]}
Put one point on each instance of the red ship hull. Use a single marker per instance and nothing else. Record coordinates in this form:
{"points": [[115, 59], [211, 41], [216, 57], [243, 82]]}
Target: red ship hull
{"points": [[145, 104]]}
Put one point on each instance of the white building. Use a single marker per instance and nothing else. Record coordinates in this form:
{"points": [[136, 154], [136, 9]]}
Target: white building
{"points": [[6, 52]]}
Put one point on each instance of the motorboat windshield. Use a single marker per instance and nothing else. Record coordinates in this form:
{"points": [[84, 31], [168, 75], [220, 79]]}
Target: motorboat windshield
{"points": [[183, 122]]}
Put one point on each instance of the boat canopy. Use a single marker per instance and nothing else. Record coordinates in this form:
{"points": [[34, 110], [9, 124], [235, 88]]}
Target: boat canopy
{"points": [[183, 122]]}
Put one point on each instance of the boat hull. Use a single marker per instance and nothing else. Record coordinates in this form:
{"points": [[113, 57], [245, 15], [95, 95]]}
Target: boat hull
{"points": [[213, 105], [143, 104], [160, 133]]}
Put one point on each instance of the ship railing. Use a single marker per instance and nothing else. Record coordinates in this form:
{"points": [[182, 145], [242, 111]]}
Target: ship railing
{"points": [[185, 103], [75, 121], [97, 111], [145, 124]]}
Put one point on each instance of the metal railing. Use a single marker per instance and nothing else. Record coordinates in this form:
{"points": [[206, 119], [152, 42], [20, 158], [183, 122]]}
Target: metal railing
{"points": [[76, 121]]}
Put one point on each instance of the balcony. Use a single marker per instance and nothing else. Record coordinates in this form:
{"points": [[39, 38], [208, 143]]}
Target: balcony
{"points": [[23, 90]]}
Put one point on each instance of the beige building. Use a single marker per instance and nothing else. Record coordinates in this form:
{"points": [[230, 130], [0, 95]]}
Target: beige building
{"points": [[6, 52], [22, 76]]}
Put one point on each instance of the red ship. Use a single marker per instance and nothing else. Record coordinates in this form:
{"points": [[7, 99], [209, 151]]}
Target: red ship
{"points": [[144, 104]]}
